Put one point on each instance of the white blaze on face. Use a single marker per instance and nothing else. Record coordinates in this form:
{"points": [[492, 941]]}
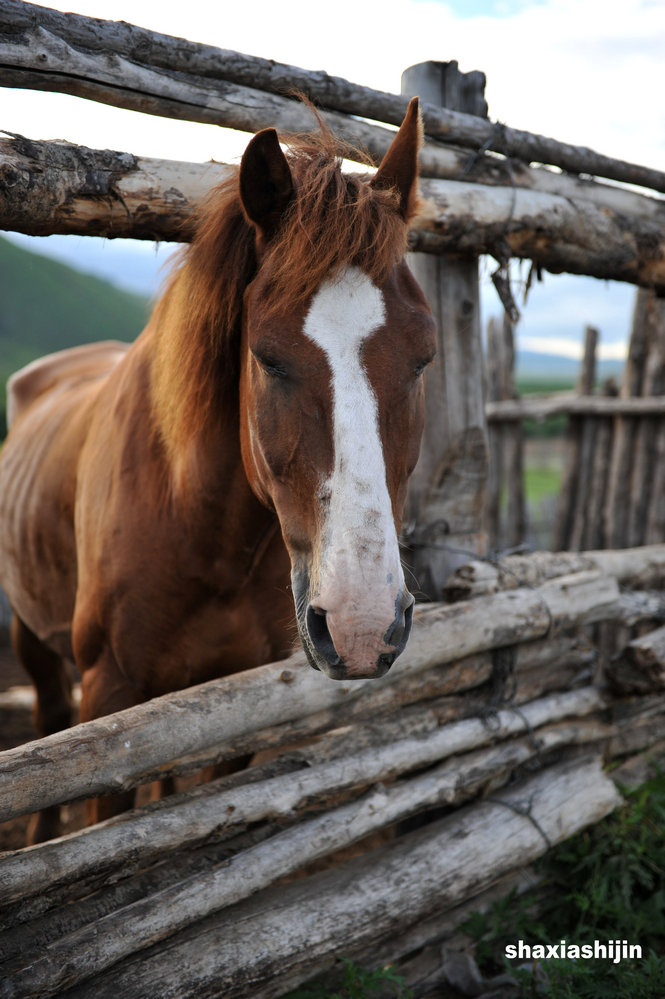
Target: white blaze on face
{"points": [[359, 576]]}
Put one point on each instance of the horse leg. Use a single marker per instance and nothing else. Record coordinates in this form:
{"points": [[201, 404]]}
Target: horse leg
{"points": [[105, 690], [53, 708]]}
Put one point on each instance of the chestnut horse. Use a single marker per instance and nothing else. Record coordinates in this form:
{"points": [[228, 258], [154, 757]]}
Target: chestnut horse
{"points": [[164, 505]]}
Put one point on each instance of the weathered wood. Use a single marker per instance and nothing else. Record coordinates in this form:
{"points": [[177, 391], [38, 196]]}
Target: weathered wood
{"points": [[495, 474], [446, 501], [541, 407], [632, 567], [505, 442], [598, 475], [571, 515], [640, 667], [307, 923], [128, 748], [623, 447], [57, 187], [47, 48], [140, 837], [173, 908], [643, 486], [516, 518]]}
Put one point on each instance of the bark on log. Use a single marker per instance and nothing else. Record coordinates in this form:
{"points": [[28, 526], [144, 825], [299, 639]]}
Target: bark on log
{"points": [[127, 748], [50, 50], [56, 187], [139, 837], [640, 667], [284, 935]]}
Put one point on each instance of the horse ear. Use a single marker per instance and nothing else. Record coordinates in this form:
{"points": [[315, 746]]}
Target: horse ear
{"points": [[399, 167], [266, 185]]}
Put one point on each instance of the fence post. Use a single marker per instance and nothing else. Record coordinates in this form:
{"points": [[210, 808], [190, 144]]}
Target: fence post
{"points": [[446, 505]]}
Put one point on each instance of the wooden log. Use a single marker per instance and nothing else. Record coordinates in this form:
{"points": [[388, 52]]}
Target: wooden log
{"points": [[495, 473], [127, 748], [569, 521], [640, 667], [541, 407], [643, 485], [139, 837], [632, 567], [593, 534], [446, 499], [285, 935], [540, 674], [288, 851], [516, 516], [621, 467], [45, 49], [57, 187]]}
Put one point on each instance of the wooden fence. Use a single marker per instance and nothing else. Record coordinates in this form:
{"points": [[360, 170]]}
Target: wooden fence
{"points": [[186, 897], [496, 711], [613, 488]]}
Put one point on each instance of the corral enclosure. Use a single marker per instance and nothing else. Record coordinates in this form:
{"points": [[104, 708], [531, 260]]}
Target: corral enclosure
{"points": [[523, 676]]}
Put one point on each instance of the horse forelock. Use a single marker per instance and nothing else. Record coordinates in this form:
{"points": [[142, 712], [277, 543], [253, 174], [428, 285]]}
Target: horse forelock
{"points": [[335, 220]]}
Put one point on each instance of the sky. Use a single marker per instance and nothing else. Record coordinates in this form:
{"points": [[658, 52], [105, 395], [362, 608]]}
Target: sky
{"points": [[582, 71]]}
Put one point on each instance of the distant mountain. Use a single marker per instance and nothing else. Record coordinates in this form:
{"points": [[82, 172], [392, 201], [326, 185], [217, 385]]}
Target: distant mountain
{"points": [[534, 367], [46, 305]]}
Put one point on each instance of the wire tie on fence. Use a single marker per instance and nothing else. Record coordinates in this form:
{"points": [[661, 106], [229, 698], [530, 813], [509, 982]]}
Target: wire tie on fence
{"points": [[525, 812]]}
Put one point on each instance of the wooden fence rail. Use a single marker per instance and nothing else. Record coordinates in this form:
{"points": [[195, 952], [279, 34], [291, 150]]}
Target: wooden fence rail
{"points": [[56, 187], [99, 909], [132, 67]]}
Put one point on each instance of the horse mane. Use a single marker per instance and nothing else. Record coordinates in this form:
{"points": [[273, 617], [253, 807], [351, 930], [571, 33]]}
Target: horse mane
{"points": [[334, 220]]}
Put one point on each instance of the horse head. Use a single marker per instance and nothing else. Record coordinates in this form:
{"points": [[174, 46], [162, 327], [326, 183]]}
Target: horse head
{"points": [[336, 336]]}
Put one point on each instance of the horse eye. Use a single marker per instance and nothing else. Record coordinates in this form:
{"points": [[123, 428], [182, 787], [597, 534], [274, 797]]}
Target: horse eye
{"points": [[419, 368], [271, 367]]}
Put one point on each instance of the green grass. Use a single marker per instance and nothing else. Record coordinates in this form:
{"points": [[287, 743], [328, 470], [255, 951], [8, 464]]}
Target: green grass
{"points": [[356, 983], [540, 483], [606, 883]]}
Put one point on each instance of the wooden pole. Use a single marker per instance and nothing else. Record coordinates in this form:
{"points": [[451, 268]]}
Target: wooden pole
{"points": [[495, 435], [446, 505], [570, 514], [623, 447]]}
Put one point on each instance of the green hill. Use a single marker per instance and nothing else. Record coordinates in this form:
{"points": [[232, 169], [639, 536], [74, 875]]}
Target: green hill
{"points": [[45, 306]]}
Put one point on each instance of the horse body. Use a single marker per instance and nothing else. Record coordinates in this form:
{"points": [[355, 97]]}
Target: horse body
{"points": [[164, 509]]}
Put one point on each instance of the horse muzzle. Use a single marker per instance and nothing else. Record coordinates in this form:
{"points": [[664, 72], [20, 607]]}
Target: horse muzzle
{"points": [[349, 646]]}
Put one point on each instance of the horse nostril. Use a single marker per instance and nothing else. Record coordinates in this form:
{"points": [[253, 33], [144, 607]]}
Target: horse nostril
{"points": [[385, 661], [399, 630], [317, 628]]}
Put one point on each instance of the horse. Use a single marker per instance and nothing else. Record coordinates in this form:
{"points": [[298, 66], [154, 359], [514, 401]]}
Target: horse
{"points": [[182, 508]]}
